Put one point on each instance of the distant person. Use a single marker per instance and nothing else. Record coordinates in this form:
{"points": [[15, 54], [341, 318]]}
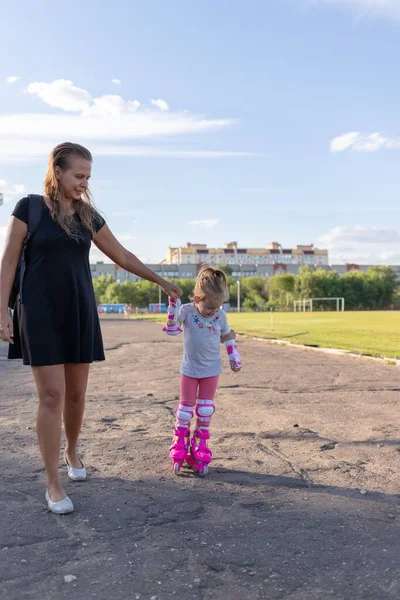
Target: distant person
{"points": [[55, 327], [205, 326]]}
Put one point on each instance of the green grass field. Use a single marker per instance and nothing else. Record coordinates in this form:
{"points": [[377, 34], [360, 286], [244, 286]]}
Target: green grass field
{"points": [[373, 333]]}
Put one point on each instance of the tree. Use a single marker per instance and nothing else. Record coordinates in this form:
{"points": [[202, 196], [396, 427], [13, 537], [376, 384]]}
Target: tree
{"points": [[396, 297], [384, 282], [227, 269], [304, 284], [187, 286], [353, 289], [375, 289], [110, 294], [254, 301], [280, 290], [100, 285]]}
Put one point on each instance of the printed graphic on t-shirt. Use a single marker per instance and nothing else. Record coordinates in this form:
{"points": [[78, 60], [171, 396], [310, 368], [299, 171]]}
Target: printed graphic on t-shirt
{"points": [[209, 324]]}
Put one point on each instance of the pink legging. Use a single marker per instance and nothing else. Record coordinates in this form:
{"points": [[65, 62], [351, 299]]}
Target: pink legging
{"points": [[192, 388]]}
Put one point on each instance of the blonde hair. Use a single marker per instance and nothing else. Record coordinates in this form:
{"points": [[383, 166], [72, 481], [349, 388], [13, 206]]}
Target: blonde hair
{"points": [[60, 157], [211, 282]]}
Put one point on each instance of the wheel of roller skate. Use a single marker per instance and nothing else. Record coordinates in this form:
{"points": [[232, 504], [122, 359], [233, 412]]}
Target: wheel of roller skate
{"points": [[204, 472], [176, 468]]}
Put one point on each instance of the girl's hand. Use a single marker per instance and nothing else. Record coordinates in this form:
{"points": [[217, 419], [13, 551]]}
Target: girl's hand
{"points": [[233, 354], [7, 328], [234, 366], [171, 289]]}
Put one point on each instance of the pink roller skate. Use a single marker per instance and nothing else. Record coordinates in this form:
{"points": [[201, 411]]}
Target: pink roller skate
{"points": [[200, 455], [179, 448]]}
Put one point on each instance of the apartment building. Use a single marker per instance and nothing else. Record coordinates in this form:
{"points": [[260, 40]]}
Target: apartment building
{"points": [[273, 260], [169, 271], [232, 254]]}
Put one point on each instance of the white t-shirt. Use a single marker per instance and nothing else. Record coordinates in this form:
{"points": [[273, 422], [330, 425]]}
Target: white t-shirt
{"points": [[201, 342]]}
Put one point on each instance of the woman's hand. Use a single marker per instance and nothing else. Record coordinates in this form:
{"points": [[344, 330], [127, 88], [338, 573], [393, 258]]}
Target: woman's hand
{"points": [[171, 289], [6, 328]]}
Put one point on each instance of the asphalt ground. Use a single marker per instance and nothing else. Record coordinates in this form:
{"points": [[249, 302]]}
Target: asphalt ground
{"points": [[302, 500]]}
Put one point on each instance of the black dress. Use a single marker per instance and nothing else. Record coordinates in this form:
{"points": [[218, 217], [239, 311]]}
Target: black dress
{"points": [[58, 321]]}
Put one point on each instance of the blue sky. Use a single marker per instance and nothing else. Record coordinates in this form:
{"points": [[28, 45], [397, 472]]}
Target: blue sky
{"points": [[271, 120]]}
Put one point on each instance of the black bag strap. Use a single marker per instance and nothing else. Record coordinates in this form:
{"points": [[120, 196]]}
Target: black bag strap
{"points": [[35, 210], [34, 213]]}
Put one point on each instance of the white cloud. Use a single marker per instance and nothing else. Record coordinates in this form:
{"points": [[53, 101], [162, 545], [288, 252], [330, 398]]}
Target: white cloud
{"points": [[343, 142], [133, 125], [12, 78], [116, 81], [360, 244], [16, 150], [96, 255], [359, 235], [111, 106], [363, 143], [3, 234], [105, 117], [365, 8], [168, 153], [128, 213], [388, 258], [107, 124], [11, 191], [208, 223], [61, 93], [367, 258], [126, 237], [161, 104]]}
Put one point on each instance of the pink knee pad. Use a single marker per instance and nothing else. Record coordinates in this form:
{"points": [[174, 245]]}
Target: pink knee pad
{"points": [[183, 415], [204, 411]]}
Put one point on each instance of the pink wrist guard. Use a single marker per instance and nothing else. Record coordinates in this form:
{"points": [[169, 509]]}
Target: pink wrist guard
{"points": [[172, 327], [233, 354]]}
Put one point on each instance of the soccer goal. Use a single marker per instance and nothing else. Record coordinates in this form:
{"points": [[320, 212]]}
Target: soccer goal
{"points": [[306, 304], [302, 305]]}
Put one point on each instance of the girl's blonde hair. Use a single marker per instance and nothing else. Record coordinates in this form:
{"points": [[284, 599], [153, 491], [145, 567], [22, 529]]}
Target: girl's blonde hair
{"points": [[60, 157], [211, 282]]}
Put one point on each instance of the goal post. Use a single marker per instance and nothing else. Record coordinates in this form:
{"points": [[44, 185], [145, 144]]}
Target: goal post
{"points": [[302, 305], [308, 303]]}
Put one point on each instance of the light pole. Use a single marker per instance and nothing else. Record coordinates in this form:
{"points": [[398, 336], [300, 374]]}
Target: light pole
{"points": [[159, 289], [238, 295]]}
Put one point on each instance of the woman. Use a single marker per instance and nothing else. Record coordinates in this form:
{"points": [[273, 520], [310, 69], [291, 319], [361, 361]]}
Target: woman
{"points": [[56, 328]]}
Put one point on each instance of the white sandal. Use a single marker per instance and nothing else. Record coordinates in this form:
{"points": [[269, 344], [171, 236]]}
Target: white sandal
{"points": [[62, 507], [75, 474]]}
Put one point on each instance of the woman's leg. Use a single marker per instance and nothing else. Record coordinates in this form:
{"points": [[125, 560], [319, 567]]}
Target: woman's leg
{"points": [[50, 385], [76, 378]]}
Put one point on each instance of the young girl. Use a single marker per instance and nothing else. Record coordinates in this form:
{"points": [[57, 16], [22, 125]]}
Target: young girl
{"points": [[205, 326]]}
